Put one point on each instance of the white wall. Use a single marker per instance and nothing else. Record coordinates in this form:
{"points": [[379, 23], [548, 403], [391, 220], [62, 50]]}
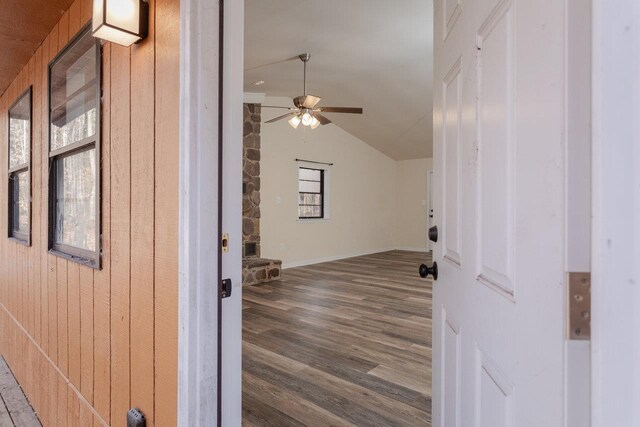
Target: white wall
{"points": [[365, 203]]}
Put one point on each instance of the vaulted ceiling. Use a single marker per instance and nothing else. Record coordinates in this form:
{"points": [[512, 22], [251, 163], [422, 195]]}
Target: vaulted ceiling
{"points": [[24, 24], [375, 54]]}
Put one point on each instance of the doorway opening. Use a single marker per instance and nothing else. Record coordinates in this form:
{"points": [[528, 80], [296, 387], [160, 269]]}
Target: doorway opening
{"points": [[336, 206]]}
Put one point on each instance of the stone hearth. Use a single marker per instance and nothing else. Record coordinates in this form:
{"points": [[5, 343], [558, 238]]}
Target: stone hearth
{"points": [[260, 270]]}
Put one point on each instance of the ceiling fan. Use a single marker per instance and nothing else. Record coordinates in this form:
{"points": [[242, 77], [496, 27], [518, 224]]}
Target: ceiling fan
{"points": [[305, 108]]}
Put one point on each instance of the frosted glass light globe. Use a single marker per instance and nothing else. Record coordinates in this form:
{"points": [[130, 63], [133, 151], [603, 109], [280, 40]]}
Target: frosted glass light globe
{"points": [[307, 119]]}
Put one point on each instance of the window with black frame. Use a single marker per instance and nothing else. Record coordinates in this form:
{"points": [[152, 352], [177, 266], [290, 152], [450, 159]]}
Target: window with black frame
{"points": [[310, 193], [20, 169], [74, 151]]}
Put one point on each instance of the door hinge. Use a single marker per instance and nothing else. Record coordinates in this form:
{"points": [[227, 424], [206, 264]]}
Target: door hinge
{"points": [[225, 288], [579, 306]]}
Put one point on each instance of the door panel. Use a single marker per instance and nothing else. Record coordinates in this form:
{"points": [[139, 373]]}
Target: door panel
{"points": [[451, 167], [498, 199], [494, 396], [451, 367], [494, 67]]}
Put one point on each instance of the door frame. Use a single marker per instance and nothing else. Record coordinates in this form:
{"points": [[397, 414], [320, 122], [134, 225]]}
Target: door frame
{"points": [[616, 102], [199, 203], [210, 163], [615, 346]]}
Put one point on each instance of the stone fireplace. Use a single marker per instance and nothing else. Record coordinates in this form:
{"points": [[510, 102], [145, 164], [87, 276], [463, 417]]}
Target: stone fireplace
{"points": [[254, 269], [251, 181]]}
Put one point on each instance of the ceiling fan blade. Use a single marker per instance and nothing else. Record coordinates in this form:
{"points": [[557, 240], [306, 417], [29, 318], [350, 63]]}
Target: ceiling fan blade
{"points": [[310, 101], [322, 119], [350, 110], [277, 106], [281, 117]]}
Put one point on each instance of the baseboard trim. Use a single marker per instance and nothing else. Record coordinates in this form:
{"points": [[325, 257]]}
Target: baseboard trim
{"points": [[406, 248], [286, 265]]}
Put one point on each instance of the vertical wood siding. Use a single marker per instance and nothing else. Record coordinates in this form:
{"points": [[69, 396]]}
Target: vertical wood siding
{"points": [[87, 345]]}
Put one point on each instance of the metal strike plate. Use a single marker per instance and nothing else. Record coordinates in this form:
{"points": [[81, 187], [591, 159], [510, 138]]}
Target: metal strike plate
{"points": [[225, 242], [579, 306], [225, 288]]}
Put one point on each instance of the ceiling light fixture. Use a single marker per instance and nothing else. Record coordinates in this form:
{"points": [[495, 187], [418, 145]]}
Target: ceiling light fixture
{"points": [[305, 108], [307, 119], [315, 123], [123, 22], [294, 122]]}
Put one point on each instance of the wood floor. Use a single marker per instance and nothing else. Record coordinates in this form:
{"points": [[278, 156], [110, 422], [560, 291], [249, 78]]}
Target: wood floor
{"points": [[341, 343]]}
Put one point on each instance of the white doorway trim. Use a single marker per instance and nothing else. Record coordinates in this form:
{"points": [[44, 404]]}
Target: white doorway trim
{"points": [[616, 223], [198, 214], [232, 154], [616, 214]]}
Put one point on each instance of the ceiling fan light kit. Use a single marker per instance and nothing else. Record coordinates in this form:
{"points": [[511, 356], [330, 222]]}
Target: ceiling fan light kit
{"points": [[304, 111], [294, 122]]}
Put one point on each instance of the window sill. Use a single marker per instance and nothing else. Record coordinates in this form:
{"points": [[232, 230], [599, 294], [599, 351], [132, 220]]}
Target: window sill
{"points": [[86, 261], [23, 242], [312, 220]]}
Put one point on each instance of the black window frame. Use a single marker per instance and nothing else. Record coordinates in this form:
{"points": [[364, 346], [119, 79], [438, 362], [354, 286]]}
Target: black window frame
{"points": [[322, 193], [23, 238], [79, 255]]}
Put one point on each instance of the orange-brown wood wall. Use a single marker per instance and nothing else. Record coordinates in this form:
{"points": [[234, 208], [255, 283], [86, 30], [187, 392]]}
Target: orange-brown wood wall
{"points": [[86, 345]]}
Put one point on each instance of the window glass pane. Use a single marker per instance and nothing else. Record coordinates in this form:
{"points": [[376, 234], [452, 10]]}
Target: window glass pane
{"points": [[19, 132], [310, 199], [309, 187], [310, 174], [20, 202], [73, 94], [304, 211], [310, 211], [75, 202]]}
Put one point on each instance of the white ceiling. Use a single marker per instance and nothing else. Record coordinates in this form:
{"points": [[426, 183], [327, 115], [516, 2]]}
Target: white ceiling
{"points": [[375, 54]]}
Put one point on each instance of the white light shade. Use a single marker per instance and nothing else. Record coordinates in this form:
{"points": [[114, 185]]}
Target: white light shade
{"points": [[123, 22], [294, 122], [307, 119], [314, 123]]}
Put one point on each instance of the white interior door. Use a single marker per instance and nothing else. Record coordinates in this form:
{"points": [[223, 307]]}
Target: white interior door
{"points": [[498, 342]]}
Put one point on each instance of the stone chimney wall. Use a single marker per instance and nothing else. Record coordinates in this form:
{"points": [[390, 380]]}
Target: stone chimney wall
{"points": [[251, 181]]}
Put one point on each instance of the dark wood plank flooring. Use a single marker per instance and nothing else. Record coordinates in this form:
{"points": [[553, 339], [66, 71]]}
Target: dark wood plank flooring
{"points": [[340, 343]]}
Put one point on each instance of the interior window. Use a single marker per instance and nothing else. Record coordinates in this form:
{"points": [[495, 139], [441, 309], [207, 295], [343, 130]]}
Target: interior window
{"points": [[310, 193]]}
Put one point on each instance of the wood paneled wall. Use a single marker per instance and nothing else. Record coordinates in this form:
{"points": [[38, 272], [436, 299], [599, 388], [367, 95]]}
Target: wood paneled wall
{"points": [[86, 345]]}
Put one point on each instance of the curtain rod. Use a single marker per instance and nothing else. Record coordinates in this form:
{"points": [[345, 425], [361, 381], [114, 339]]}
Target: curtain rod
{"points": [[311, 161]]}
